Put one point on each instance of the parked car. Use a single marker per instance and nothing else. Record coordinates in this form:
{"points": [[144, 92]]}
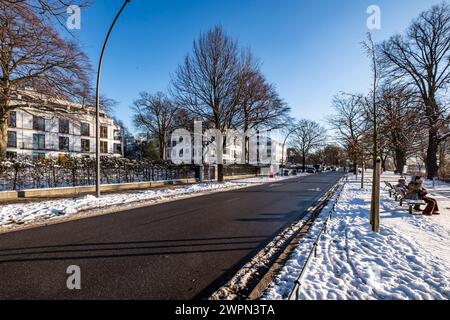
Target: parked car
{"points": [[311, 170], [318, 167]]}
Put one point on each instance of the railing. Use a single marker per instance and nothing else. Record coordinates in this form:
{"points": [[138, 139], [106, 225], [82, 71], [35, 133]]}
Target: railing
{"points": [[21, 174], [295, 293], [72, 172]]}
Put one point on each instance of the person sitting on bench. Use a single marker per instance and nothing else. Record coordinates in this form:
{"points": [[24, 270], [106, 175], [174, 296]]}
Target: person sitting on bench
{"points": [[416, 187], [402, 186]]}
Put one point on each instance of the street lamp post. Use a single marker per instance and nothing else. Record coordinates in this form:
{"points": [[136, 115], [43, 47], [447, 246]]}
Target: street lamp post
{"points": [[97, 104], [284, 144]]}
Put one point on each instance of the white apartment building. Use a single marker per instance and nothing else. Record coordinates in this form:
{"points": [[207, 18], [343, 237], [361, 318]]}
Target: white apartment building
{"points": [[264, 149], [35, 132]]}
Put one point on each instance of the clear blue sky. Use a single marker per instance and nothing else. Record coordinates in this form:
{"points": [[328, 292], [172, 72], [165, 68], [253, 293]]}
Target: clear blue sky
{"points": [[310, 49]]}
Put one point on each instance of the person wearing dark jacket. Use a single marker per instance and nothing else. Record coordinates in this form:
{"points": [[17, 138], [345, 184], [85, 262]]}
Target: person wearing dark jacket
{"points": [[415, 187], [402, 186]]}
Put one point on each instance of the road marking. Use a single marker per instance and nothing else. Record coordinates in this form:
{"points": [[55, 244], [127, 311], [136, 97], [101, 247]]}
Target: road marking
{"points": [[274, 185]]}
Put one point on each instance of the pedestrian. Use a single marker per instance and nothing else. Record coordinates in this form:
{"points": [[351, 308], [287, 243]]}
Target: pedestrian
{"points": [[415, 187], [402, 186]]}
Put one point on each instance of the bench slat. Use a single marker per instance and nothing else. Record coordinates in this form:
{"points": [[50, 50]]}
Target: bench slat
{"points": [[415, 202]]}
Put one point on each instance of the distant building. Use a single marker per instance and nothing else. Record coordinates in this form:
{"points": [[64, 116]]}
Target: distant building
{"points": [[265, 150], [35, 132], [292, 157], [137, 147]]}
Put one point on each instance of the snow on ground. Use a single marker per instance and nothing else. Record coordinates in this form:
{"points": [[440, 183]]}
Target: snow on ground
{"points": [[408, 259], [26, 213]]}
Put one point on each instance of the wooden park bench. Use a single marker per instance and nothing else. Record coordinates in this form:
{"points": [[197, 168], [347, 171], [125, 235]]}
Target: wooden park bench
{"points": [[409, 198], [399, 195], [392, 191]]}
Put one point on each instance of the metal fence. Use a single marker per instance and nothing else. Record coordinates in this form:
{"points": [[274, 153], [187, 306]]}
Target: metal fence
{"points": [[26, 173], [52, 173]]}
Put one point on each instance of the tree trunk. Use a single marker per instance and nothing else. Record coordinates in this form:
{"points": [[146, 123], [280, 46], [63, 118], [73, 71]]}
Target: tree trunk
{"points": [[4, 103], [304, 162], [162, 152], [3, 135], [383, 163], [433, 144], [431, 160], [220, 173], [400, 160]]}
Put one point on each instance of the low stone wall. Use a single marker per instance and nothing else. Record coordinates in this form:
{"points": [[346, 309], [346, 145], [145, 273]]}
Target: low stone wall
{"points": [[247, 176], [8, 195], [77, 191]]}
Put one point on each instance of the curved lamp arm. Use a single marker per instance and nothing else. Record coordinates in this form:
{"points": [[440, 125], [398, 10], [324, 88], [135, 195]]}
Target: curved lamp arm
{"points": [[97, 103], [284, 144]]}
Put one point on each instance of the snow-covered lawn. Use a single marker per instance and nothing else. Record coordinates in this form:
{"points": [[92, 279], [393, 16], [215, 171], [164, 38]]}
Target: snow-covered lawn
{"points": [[27, 213], [408, 259]]}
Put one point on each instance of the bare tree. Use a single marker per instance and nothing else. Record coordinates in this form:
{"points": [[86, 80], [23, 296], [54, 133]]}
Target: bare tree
{"points": [[350, 123], [421, 59], [52, 10], [207, 83], [33, 55], [53, 7], [334, 155], [399, 121], [308, 137], [156, 115], [260, 105]]}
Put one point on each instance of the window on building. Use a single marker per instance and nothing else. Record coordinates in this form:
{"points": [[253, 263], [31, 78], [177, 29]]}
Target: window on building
{"points": [[117, 134], [12, 119], [103, 146], [11, 155], [64, 126], [38, 123], [225, 148], [117, 148], [38, 155], [103, 132], [85, 145], [39, 141], [85, 129], [12, 139], [63, 143]]}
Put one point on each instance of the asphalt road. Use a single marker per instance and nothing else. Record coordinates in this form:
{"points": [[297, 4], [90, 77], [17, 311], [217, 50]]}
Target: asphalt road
{"points": [[178, 250]]}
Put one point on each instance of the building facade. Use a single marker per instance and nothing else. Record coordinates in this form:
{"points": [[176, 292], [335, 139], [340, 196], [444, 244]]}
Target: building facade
{"points": [[264, 150], [35, 132]]}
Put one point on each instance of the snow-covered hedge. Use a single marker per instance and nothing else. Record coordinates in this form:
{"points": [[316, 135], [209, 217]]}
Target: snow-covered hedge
{"points": [[25, 173]]}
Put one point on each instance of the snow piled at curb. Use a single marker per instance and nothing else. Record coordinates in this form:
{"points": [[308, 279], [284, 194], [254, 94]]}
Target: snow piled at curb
{"points": [[27, 213], [408, 259], [242, 278]]}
